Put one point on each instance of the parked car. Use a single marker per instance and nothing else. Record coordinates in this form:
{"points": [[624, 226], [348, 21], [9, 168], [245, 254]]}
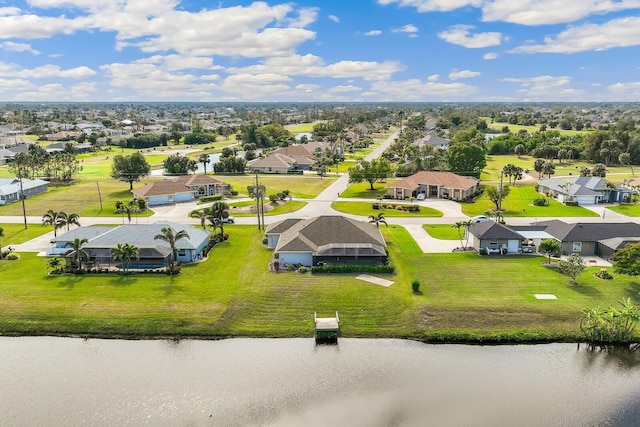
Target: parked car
{"points": [[229, 220], [420, 196], [480, 218]]}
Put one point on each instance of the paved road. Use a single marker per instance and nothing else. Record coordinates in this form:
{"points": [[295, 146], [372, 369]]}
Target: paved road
{"points": [[321, 205]]}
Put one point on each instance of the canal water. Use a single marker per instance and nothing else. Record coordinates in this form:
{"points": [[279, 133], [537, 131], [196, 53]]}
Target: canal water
{"points": [[47, 381]]}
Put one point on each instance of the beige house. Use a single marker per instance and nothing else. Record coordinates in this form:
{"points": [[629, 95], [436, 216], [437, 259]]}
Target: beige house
{"points": [[182, 189], [434, 184]]}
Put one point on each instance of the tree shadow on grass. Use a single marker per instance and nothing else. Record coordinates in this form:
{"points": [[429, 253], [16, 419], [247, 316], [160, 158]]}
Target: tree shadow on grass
{"points": [[69, 282], [585, 290], [170, 288], [123, 280], [633, 292]]}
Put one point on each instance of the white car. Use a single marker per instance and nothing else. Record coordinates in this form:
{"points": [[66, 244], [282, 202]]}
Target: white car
{"points": [[229, 220], [420, 196], [480, 218]]}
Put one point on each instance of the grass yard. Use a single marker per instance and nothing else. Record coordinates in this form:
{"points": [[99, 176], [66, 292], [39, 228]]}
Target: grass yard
{"points": [[463, 296], [362, 190], [529, 129], [442, 231], [14, 234], [300, 186], [626, 209], [281, 208], [365, 209], [519, 202], [301, 128]]}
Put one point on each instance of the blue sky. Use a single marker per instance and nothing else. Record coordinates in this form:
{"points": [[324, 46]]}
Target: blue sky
{"points": [[322, 50]]}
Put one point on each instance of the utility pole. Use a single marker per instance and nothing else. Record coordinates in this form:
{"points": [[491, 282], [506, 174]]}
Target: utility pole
{"points": [[99, 195], [24, 210], [500, 192], [256, 191]]}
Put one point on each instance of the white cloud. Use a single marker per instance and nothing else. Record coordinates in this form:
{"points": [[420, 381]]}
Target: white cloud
{"points": [[45, 71], [10, 85], [545, 88], [460, 35], [628, 91], [334, 18], [541, 12], [257, 86], [343, 89], [179, 62], [433, 77], [409, 28], [314, 66], [9, 11], [489, 56], [524, 12], [464, 74], [373, 33], [433, 5], [417, 90], [621, 32], [18, 47]]}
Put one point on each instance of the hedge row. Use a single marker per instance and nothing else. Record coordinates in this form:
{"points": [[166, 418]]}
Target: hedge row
{"points": [[354, 268]]}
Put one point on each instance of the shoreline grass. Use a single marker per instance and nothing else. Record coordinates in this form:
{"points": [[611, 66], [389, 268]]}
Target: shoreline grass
{"points": [[465, 297]]}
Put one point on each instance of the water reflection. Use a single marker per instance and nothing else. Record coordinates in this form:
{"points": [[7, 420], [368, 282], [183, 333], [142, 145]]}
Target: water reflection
{"points": [[293, 382], [624, 357]]}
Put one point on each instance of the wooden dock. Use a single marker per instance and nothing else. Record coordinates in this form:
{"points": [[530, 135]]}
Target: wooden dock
{"points": [[327, 328]]}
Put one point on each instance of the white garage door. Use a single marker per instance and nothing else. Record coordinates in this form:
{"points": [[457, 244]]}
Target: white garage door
{"points": [[512, 246]]}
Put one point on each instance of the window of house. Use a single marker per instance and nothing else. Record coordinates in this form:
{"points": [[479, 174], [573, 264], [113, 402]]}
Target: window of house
{"points": [[182, 252], [577, 246]]}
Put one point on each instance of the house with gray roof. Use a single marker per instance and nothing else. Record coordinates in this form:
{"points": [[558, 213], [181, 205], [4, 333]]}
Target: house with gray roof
{"points": [[326, 239], [152, 253], [10, 189], [585, 190], [492, 237]]}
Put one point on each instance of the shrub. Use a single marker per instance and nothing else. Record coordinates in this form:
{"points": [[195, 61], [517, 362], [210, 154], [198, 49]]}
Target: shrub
{"points": [[541, 201], [604, 274], [234, 192], [302, 270], [214, 198], [13, 256], [571, 203], [355, 268], [291, 267], [415, 286]]}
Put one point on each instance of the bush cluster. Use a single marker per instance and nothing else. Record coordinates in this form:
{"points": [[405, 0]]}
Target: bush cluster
{"points": [[214, 198], [604, 274], [571, 203], [407, 208], [541, 201]]}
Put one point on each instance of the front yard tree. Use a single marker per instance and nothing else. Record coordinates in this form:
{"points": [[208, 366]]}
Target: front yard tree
{"points": [[370, 171], [549, 168], [512, 172], [599, 169], [220, 211], [627, 260], [497, 195], [538, 166], [519, 150], [573, 266], [204, 159], [463, 231], [549, 247], [130, 168], [53, 218], [466, 158], [378, 219]]}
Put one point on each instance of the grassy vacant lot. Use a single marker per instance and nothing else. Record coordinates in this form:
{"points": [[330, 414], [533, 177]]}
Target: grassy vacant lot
{"points": [[442, 231], [14, 234], [270, 209], [306, 187], [530, 129], [519, 202], [464, 296], [365, 209]]}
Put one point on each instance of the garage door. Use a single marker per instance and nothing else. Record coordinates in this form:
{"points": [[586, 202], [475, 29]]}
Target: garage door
{"points": [[512, 246]]}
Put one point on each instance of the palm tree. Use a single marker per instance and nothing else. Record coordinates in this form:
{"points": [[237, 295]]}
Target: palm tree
{"points": [[125, 252], [377, 220], [169, 235], [202, 214], [204, 159], [69, 220], [77, 251], [220, 211], [460, 225], [54, 263], [53, 218]]}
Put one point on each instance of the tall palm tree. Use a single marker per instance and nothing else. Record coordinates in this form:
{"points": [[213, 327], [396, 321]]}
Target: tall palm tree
{"points": [[76, 249], [204, 159], [378, 219], [220, 211], [125, 252], [68, 220], [53, 218], [170, 236], [202, 214]]}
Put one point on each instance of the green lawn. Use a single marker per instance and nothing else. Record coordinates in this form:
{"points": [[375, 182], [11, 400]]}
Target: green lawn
{"points": [[365, 209], [270, 209], [442, 231], [300, 186], [519, 202], [529, 129], [14, 234], [464, 296], [362, 190], [626, 209]]}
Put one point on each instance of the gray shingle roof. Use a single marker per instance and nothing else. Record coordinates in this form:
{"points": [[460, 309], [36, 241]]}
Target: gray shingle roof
{"points": [[493, 230]]}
